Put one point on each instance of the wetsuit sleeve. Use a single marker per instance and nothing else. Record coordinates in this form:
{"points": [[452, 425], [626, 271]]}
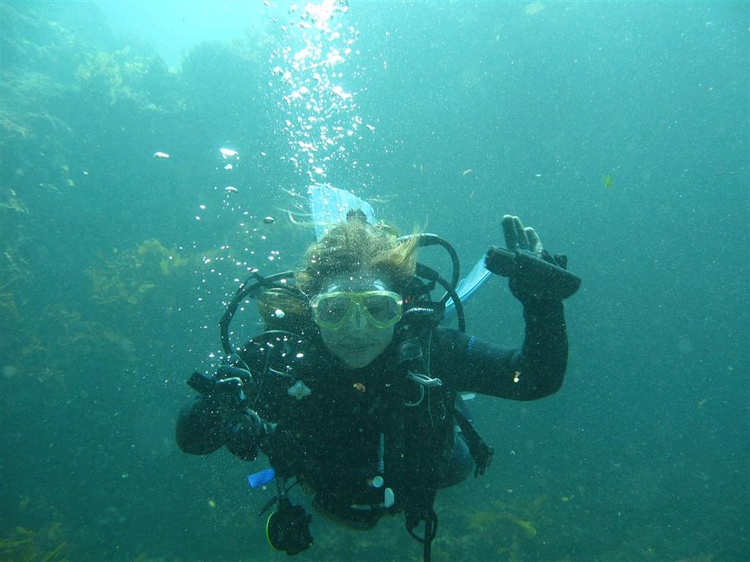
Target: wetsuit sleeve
{"points": [[199, 428], [466, 363]]}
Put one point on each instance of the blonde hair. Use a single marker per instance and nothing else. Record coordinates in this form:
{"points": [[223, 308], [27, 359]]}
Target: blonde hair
{"points": [[352, 247], [357, 247]]}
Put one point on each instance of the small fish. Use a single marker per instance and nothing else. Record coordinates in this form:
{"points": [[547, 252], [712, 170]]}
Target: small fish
{"points": [[231, 189], [228, 152], [269, 220], [161, 155], [467, 171]]}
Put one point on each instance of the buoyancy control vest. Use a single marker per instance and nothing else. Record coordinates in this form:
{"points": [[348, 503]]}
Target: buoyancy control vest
{"points": [[369, 442]]}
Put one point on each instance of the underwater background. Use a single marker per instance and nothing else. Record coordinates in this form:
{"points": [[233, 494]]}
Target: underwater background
{"points": [[618, 130]]}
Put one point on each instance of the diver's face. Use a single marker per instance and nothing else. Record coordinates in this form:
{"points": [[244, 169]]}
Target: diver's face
{"points": [[356, 317]]}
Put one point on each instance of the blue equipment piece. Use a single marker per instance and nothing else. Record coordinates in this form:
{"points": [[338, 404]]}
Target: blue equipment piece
{"points": [[467, 287], [260, 478], [329, 206]]}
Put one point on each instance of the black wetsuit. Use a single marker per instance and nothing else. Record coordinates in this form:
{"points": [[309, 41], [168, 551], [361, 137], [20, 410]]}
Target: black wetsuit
{"points": [[333, 439]]}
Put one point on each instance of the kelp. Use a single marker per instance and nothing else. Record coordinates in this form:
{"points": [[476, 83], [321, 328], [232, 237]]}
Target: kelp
{"points": [[120, 76], [509, 526], [131, 275], [25, 545]]}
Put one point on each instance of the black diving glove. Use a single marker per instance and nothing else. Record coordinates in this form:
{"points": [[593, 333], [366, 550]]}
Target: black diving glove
{"points": [[223, 396], [534, 275]]}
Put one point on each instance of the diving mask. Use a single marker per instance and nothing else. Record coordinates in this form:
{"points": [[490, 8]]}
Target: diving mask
{"points": [[333, 310]]}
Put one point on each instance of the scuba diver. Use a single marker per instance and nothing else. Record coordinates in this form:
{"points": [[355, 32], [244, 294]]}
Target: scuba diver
{"points": [[352, 391]]}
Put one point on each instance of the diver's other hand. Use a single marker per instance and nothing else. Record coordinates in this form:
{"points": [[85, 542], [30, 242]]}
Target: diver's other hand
{"points": [[243, 431], [534, 274], [224, 397], [518, 237]]}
